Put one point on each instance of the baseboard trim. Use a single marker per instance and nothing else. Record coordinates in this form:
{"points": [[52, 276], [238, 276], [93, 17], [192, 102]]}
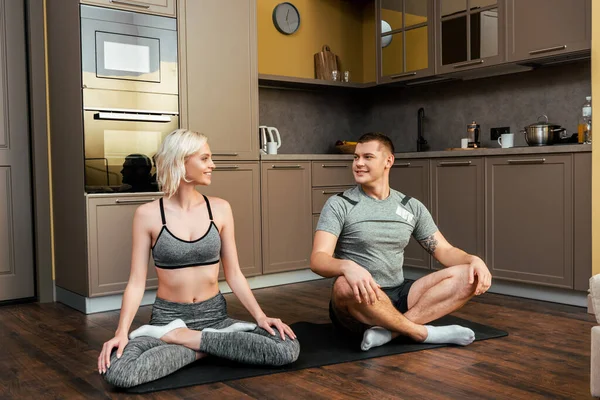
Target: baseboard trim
{"points": [[90, 305], [528, 291]]}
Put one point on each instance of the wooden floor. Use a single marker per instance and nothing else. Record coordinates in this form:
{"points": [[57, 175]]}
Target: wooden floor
{"points": [[50, 351]]}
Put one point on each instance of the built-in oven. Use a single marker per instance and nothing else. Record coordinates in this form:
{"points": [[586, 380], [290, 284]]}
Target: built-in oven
{"points": [[121, 139], [128, 51]]}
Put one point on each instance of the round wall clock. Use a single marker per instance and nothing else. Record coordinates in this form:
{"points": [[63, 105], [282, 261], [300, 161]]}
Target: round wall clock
{"points": [[286, 18]]}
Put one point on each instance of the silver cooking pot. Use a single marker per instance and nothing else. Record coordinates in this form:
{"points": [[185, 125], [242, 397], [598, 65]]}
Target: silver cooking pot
{"points": [[542, 134]]}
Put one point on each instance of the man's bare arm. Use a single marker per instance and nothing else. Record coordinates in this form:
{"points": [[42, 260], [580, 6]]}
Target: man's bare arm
{"points": [[444, 252]]}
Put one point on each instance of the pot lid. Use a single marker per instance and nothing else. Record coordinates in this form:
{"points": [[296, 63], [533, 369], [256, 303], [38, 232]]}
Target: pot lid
{"points": [[542, 124]]}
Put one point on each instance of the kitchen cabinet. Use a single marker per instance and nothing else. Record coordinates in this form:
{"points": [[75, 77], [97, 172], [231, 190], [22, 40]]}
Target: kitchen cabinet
{"points": [[530, 218], [158, 7], [406, 46], [239, 184], [470, 34], [109, 231], [286, 216], [218, 78], [411, 177], [542, 28], [582, 222], [332, 173], [458, 203]]}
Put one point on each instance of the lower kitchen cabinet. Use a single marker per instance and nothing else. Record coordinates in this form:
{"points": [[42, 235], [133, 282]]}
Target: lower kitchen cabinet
{"points": [[411, 177], [239, 184], [110, 222], [286, 216], [530, 218], [582, 224], [458, 203]]}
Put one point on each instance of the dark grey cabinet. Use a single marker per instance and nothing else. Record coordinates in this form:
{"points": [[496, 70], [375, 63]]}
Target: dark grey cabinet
{"points": [[541, 28], [458, 203], [530, 218], [411, 177], [406, 39], [470, 34], [582, 224]]}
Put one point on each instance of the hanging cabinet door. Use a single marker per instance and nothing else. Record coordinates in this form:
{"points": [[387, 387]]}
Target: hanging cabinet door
{"points": [[470, 34], [405, 46]]}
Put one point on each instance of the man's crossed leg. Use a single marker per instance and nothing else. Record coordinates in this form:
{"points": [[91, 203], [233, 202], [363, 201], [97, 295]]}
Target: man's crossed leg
{"points": [[407, 312]]}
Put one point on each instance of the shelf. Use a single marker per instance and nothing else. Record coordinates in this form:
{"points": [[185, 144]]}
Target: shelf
{"points": [[290, 82]]}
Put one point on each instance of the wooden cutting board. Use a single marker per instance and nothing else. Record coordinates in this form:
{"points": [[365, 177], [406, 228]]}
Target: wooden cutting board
{"points": [[325, 62]]}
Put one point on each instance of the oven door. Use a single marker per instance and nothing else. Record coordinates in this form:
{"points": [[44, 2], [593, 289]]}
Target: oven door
{"points": [[119, 149], [123, 50]]}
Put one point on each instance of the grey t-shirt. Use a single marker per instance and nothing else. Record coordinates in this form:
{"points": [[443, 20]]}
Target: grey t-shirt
{"points": [[373, 233]]}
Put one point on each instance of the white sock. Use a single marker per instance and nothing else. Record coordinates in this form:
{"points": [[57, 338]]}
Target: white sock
{"points": [[237, 327], [157, 331], [454, 334], [374, 337]]}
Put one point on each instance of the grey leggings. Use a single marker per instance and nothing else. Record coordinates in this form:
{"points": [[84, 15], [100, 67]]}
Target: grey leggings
{"points": [[146, 359]]}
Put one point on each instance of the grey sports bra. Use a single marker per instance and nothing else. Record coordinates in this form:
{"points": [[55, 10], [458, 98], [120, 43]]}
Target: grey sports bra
{"points": [[170, 252]]}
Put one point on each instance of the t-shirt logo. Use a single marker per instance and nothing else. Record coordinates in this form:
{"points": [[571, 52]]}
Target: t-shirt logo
{"points": [[404, 214]]}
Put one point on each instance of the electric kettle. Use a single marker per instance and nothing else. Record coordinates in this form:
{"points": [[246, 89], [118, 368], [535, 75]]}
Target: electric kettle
{"points": [[269, 134]]}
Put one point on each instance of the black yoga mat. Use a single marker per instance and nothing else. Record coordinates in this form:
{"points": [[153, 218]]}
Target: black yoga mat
{"points": [[319, 345]]}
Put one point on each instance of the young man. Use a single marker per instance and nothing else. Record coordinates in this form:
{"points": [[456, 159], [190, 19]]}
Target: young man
{"points": [[367, 228]]}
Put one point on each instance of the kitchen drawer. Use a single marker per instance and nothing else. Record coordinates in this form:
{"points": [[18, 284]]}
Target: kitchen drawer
{"points": [[320, 196], [332, 173]]}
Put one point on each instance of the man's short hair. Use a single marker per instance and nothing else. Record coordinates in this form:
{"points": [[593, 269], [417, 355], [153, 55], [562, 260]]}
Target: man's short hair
{"points": [[378, 137]]}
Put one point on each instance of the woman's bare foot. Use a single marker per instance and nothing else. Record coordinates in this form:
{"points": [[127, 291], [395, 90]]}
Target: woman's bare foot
{"points": [[185, 337], [200, 355]]}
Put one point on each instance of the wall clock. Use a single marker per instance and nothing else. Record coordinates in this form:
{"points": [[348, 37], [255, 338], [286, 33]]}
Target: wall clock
{"points": [[286, 18]]}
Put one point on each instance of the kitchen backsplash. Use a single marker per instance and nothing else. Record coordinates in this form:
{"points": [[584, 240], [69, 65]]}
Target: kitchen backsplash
{"points": [[311, 122]]}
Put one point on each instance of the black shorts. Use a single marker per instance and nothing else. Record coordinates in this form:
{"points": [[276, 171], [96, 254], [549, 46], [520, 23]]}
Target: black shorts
{"points": [[347, 325]]}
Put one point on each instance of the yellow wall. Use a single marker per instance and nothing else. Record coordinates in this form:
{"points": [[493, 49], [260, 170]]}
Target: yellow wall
{"points": [[596, 139], [337, 23]]}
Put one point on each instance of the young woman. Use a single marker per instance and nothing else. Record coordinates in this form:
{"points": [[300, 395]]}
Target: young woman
{"points": [[188, 234]]}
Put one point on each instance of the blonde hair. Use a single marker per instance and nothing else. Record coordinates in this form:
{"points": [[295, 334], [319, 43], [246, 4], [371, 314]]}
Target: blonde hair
{"points": [[172, 155]]}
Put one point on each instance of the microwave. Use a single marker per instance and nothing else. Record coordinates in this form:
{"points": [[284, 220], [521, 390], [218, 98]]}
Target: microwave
{"points": [[128, 51]]}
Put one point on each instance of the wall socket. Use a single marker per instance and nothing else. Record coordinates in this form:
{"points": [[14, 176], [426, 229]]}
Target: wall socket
{"points": [[496, 132]]}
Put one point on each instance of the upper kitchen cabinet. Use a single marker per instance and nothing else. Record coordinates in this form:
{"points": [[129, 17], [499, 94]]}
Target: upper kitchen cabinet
{"points": [[158, 7], [470, 34], [567, 28], [218, 76], [405, 32]]}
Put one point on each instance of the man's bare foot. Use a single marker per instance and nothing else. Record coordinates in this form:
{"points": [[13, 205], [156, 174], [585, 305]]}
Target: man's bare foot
{"points": [[200, 355]]}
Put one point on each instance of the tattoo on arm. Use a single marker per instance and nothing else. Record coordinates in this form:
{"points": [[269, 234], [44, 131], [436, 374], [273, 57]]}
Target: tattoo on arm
{"points": [[429, 244]]}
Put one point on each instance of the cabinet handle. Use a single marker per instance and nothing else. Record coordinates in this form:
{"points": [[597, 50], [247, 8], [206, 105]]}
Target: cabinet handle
{"points": [[468, 64], [401, 165], [286, 166], [226, 167], [548, 50], [126, 3], [334, 166], [133, 201], [225, 154], [528, 161], [332, 191], [403, 75], [456, 163]]}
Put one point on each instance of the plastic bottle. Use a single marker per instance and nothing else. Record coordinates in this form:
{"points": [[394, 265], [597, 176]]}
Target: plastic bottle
{"points": [[584, 121]]}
